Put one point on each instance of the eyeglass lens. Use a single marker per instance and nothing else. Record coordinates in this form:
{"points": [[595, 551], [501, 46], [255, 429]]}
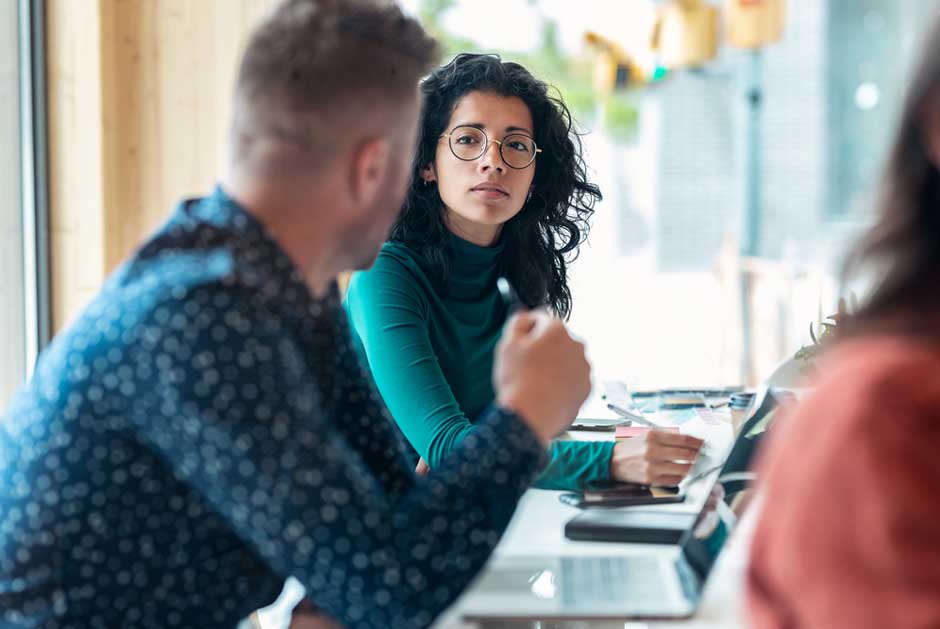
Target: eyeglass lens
{"points": [[469, 143]]}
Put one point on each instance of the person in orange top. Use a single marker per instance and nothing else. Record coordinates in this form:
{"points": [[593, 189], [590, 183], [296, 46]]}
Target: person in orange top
{"points": [[849, 534]]}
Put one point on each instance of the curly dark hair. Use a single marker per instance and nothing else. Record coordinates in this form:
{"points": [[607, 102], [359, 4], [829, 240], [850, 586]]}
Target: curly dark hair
{"points": [[544, 237]]}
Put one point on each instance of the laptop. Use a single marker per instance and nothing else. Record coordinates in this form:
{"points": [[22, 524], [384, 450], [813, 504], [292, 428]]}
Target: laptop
{"points": [[643, 586]]}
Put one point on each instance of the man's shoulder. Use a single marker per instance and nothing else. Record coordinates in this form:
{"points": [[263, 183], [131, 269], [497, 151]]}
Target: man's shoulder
{"points": [[170, 281], [189, 271], [206, 247]]}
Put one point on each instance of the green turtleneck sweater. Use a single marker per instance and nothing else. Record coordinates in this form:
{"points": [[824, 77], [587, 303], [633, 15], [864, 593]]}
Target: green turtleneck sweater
{"points": [[430, 350]]}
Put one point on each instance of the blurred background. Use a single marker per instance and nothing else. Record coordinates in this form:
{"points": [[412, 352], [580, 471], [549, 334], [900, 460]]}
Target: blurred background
{"points": [[737, 144], [727, 152]]}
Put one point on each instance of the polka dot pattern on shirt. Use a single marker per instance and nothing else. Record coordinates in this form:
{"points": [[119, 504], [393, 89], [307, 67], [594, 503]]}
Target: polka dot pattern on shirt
{"points": [[204, 430]]}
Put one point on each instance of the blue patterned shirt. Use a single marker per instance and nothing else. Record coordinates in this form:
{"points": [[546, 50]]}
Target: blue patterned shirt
{"points": [[204, 430]]}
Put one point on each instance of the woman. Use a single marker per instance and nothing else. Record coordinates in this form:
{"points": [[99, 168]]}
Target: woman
{"points": [[498, 188], [848, 532]]}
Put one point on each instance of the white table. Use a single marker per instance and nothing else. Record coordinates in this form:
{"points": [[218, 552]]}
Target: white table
{"points": [[537, 528]]}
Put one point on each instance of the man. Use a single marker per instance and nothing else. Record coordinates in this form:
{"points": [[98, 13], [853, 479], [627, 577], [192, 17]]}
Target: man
{"points": [[204, 430]]}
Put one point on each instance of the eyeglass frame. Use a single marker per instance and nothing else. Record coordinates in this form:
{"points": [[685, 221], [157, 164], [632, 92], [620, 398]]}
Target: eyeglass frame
{"points": [[486, 145]]}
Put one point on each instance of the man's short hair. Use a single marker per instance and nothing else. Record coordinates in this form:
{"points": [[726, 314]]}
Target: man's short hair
{"points": [[310, 62]]}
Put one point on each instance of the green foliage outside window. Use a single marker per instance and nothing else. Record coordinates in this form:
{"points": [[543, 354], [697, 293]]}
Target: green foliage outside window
{"points": [[570, 75]]}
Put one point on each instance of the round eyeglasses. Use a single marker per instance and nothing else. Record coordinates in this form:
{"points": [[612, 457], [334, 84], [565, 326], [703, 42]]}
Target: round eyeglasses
{"points": [[470, 143]]}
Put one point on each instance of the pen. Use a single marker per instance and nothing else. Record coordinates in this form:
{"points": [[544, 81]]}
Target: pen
{"points": [[509, 295], [697, 477], [634, 417]]}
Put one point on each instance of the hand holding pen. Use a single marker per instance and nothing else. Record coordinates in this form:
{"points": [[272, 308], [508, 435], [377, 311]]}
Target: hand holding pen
{"points": [[510, 296], [539, 371]]}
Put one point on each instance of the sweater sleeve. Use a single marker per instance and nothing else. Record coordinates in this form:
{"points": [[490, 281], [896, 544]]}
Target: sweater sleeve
{"points": [[389, 317]]}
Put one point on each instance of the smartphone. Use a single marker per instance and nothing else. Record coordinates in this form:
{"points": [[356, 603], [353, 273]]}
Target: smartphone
{"points": [[615, 493], [599, 424], [617, 500], [615, 487], [624, 487]]}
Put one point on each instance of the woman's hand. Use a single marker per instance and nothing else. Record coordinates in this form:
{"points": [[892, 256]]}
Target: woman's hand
{"points": [[655, 458]]}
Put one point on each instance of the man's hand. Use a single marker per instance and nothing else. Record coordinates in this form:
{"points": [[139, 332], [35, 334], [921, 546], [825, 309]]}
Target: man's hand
{"points": [[308, 621], [422, 468], [306, 616], [541, 373], [655, 458]]}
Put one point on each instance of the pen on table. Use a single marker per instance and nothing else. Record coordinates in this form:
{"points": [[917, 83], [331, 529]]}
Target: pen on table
{"points": [[622, 412], [509, 295]]}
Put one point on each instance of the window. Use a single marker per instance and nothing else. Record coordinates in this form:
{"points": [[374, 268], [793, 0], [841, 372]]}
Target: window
{"points": [[657, 292], [22, 199]]}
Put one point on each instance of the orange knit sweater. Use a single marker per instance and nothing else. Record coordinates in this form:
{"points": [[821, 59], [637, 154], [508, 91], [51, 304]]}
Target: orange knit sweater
{"points": [[849, 536]]}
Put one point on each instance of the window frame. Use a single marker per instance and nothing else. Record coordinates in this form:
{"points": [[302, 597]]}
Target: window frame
{"points": [[34, 189]]}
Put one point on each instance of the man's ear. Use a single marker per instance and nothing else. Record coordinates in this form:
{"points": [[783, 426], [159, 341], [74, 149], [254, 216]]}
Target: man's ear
{"points": [[370, 165]]}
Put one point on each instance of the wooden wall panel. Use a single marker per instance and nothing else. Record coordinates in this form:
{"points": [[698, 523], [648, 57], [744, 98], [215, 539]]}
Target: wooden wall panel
{"points": [[76, 175], [176, 64], [139, 105]]}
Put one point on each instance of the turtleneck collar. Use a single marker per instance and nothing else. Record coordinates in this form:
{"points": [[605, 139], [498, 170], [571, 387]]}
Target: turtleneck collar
{"points": [[473, 269]]}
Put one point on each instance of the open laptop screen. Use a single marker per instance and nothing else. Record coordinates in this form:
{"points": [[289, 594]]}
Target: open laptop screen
{"points": [[741, 457], [702, 543]]}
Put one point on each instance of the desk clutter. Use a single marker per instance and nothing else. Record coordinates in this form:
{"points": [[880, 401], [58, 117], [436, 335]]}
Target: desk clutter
{"points": [[618, 392], [628, 432], [622, 516], [667, 408]]}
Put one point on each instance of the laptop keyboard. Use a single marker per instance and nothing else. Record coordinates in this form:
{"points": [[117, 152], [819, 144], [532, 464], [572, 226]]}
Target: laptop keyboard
{"points": [[608, 580]]}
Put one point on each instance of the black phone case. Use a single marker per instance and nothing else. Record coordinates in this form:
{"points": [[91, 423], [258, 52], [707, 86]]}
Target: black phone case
{"points": [[629, 526], [613, 500]]}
